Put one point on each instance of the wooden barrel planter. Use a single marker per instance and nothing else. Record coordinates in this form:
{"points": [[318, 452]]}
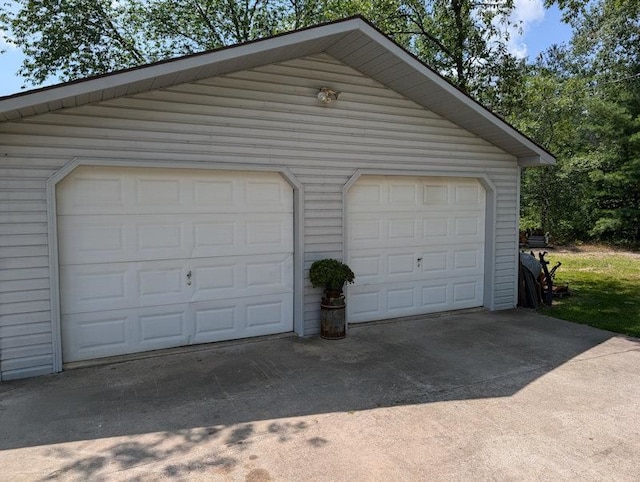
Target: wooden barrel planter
{"points": [[333, 324]]}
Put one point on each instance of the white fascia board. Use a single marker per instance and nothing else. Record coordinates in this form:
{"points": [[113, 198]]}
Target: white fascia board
{"points": [[534, 161]]}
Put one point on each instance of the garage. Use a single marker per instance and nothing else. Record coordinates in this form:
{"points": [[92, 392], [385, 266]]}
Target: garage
{"points": [[184, 201], [416, 245], [153, 258]]}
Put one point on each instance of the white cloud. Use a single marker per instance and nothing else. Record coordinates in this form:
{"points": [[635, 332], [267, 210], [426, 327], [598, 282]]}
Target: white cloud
{"points": [[528, 11], [5, 44], [526, 14]]}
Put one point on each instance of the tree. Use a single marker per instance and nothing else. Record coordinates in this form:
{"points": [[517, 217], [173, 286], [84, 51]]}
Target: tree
{"points": [[78, 38], [465, 40], [583, 102], [71, 38], [607, 49], [550, 106], [462, 39]]}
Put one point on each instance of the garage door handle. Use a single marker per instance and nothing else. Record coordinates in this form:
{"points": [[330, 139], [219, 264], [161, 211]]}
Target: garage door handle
{"points": [[419, 260], [189, 278]]}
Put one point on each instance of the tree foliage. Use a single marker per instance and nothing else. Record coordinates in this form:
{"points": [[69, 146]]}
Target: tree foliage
{"points": [[70, 38], [462, 39], [583, 102]]}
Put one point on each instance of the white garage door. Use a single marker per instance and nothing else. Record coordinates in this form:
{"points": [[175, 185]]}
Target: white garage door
{"points": [[156, 258], [416, 246]]}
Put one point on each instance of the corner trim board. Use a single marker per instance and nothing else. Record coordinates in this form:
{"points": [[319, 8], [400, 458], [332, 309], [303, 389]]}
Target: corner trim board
{"points": [[517, 263]]}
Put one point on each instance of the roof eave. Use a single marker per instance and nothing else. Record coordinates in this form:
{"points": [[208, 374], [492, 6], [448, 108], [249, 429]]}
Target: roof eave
{"points": [[341, 39], [536, 160], [463, 104], [165, 73]]}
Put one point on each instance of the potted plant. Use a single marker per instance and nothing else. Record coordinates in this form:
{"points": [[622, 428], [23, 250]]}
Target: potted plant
{"points": [[331, 275]]}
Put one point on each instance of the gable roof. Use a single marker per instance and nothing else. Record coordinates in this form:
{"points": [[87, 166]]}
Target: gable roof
{"points": [[353, 41]]}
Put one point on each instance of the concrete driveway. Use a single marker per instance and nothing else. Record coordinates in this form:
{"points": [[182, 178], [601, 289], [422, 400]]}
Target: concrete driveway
{"points": [[508, 395]]}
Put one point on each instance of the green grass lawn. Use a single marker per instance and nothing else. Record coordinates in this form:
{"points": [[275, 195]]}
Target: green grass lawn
{"points": [[605, 286]]}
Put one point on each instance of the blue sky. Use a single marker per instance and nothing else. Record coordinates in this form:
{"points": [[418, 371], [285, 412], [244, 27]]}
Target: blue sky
{"points": [[541, 29]]}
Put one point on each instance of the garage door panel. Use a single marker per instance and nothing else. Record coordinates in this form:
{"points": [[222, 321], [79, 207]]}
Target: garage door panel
{"points": [[107, 239], [468, 195], [386, 230], [367, 195], [402, 193], [89, 338], [436, 194], [97, 287], [436, 262], [112, 190], [436, 229], [171, 257], [466, 293], [435, 296], [467, 228], [404, 264], [168, 328], [154, 238], [270, 273], [365, 303], [129, 285], [157, 283], [416, 245], [150, 192], [235, 277], [365, 230], [85, 192], [375, 194], [262, 315], [401, 299], [377, 302], [118, 332], [462, 260], [89, 287], [82, 240], [98, 334], [244, 235], [401, 265], [217, 320], [214, 235], [466, 259], [402, 231], [366, 266]]}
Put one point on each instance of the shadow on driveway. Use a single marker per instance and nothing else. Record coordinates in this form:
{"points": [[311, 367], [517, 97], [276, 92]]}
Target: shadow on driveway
{"points": [[181, 401]]}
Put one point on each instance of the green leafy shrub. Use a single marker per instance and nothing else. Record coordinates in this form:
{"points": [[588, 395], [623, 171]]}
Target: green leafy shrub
{"points": [[330, 274]]}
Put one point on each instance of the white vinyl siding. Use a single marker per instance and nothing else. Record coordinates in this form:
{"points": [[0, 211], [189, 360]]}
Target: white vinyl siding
{"points": [[264, 116]]}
